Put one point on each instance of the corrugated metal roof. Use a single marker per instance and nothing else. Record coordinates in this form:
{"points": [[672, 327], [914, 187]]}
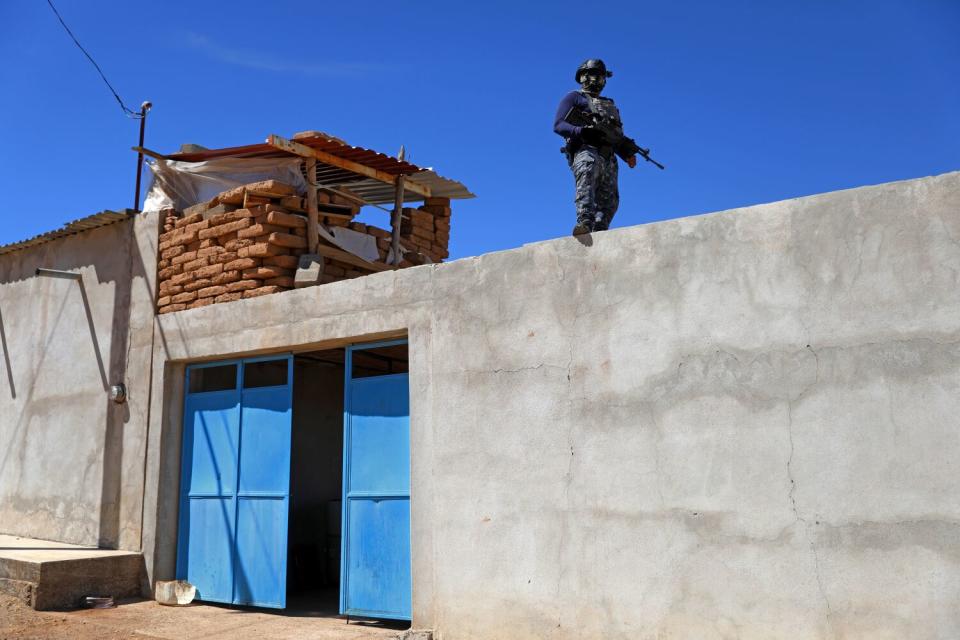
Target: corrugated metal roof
{"points": [[95, 221], [371, 190]]}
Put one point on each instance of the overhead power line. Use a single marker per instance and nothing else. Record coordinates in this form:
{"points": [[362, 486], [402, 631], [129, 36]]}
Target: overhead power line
{"points": [[130, 113]]}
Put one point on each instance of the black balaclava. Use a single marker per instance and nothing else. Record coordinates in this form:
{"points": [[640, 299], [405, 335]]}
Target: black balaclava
{"points": [[593, 81]]}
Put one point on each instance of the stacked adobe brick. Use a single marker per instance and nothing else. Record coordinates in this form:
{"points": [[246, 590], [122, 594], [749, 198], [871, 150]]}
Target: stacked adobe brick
{"points": [[427, 229], [243, 244], [246, 242]]}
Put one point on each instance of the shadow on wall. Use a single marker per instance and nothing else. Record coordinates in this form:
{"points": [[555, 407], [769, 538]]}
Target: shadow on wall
{"points": [[106, 255], [6, 357]]}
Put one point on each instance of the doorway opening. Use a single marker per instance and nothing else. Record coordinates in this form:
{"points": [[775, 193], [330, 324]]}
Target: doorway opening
{"points": [[314, 545]]}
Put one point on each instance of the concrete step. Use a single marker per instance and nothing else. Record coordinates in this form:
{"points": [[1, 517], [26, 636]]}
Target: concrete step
{"points": [[55, 575]]}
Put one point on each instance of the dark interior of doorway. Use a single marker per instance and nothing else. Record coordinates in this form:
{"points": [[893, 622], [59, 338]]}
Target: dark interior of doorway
{"points": [[316, 472]]}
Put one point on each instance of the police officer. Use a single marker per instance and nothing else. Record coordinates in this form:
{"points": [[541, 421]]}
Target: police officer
{"points": [[591, 154]]}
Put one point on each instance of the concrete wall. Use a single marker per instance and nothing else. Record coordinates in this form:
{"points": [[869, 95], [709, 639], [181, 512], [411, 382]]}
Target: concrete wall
{"points": [[71, 461], [735, 425]]}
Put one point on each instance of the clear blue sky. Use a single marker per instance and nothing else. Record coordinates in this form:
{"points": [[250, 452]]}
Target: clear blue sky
{"points": [[744, 101]]}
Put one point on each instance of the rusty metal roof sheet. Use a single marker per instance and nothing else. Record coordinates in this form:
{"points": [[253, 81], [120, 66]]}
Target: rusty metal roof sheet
{"points": [[371, 190], [95, 221]]}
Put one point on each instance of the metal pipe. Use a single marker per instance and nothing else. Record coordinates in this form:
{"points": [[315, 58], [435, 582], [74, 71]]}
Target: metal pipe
{"points": [[57, 273], [143, 125]]}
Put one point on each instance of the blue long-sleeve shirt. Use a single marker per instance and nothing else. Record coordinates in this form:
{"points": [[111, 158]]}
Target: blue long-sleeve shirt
{"points": [[563, 128]]}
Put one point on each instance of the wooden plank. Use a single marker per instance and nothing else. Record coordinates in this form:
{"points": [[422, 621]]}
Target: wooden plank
{"points": [[395, 220], [296, 148], [148, 152], [313, 220], [349, 258]]}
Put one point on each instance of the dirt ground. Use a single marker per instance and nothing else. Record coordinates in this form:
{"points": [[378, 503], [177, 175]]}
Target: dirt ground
{"points": [[147, 620]]}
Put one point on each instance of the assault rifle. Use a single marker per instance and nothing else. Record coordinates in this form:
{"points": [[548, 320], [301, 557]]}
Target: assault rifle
{"points": [[612, 134]]}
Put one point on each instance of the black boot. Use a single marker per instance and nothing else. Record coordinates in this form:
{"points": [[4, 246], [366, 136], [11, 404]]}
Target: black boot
{"points": [[582, 227]]}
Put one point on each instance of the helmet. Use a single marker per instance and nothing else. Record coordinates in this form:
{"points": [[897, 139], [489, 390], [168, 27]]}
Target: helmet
{"points": [[592, 63]]}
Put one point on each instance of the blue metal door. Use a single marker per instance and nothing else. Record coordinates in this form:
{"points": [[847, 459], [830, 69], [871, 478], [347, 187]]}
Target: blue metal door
{"points": [[375, 563], [235, 480]]}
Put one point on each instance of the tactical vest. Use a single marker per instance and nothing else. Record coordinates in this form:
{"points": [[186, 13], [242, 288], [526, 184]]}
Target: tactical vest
{"points": [[605, 108]]}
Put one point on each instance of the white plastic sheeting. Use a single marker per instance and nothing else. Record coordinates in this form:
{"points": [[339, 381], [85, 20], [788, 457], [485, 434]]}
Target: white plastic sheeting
{"points": [[182, 184]]}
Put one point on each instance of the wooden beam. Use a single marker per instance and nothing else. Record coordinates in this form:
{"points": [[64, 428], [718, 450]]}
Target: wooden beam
{"points": [[303, 150], [395, 221], [349, 258], [312, 216], [148, 152]]}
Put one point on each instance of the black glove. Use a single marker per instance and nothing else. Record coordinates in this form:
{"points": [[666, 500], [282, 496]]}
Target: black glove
{"points": [[592, 136]]}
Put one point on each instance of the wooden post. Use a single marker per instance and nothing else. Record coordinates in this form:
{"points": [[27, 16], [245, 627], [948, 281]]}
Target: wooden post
{"points": [[396, 220], [313, 217]]}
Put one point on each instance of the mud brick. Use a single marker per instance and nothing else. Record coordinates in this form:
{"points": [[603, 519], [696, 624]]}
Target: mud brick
{"points": [[189, 217], [171, 290], [437, 201], [262, 273], [198, 226], [273, 187], [226, 277], [419, 217], [210, 271], [228, 297], [193, 246], [441, 212], [262, 291], [301, 233], [441, 223], [218, 210], [196, 264], [383, 243], [172, 252], [183, 278], [250, 200], [224, 229], [441, 239], [333, 269], [209, 242], [196, 210], [220, 218], [200, 302], [293, 202], [359, 227], [211, 292], [241, 264], [211, 252], [163, 301], [243, 285], [377, 232], [328, 278], [186, 236], [426, 234], [163, 264], [186, 296], [167, 236], [323, 197], [225, 257], [287, 240], [240, 214], [236, 245], [169, 272], [260, 250], [286, 220], [282, 281], [231, 196], [170, 308], [284, 262], [260, 229], [197, 284]]}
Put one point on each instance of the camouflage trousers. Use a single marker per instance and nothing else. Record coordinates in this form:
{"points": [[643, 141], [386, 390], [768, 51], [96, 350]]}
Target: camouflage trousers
{"points": [[597, 196]]}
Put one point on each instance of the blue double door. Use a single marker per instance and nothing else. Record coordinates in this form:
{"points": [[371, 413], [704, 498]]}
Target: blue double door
{"points": [[235, 486]]}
